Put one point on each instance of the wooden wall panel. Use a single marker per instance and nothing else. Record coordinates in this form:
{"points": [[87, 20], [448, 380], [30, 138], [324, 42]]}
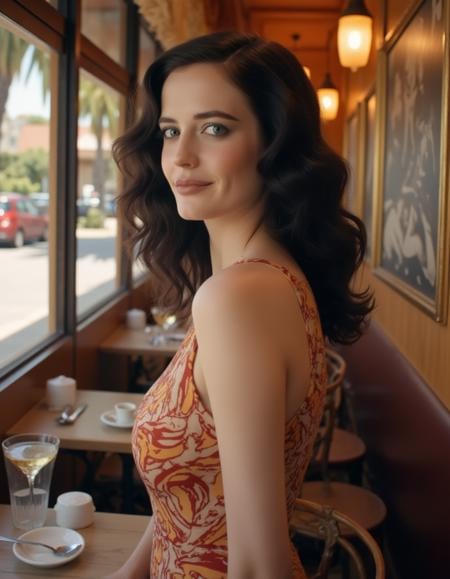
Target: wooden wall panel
{"points": [[87, 364], [22, 394], [142, 296], [423, 342]]}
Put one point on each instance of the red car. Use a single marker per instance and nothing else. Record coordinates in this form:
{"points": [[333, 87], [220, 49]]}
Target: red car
{"points": [[20, 220]]}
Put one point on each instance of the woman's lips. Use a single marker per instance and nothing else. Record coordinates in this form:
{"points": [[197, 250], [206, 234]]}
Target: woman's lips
{"points": [[191, 186]]}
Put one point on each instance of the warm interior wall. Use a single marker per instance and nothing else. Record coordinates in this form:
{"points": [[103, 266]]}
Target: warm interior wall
{"points": [[424, 342]]}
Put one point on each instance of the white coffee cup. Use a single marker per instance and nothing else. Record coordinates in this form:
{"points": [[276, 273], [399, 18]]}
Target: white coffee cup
{"points": [[74, 510], [60, 392], [136, 319], [124, 412]]}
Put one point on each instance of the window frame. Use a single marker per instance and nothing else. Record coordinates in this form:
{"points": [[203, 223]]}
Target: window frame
{"points": [[60, 29]]}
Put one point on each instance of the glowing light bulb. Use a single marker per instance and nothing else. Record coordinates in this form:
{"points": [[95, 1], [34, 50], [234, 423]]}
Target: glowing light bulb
{"points": [[354, 39]]}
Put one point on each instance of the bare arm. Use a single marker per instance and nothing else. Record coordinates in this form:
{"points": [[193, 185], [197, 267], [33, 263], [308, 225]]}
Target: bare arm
{"points": [[138, 564], [243, 362]]}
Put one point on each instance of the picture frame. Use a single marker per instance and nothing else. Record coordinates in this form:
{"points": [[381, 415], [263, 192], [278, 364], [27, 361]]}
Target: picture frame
{"points": [[352, 155], [411, 238], [368, 134]]}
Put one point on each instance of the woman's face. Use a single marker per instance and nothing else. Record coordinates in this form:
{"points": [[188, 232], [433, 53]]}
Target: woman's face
{"points": [[212, 143]]}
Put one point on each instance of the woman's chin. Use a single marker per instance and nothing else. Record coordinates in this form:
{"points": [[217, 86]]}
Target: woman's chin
{"points": [[190, 213]]}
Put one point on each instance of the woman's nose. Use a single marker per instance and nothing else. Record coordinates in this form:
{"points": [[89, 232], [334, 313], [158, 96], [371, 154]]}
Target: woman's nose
{"points": [[185, 153]]}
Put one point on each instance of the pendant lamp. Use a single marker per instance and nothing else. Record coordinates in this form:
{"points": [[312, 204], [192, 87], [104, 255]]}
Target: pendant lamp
{"points": [[354, 35], [328, 96]]}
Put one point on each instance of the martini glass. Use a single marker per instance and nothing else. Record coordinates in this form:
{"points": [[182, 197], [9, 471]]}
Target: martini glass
{"points": [[26, 457]]}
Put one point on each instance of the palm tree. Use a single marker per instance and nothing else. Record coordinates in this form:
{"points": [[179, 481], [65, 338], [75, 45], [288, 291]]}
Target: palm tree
{"points": [[100, 106], [12, 50], [40, 60]]}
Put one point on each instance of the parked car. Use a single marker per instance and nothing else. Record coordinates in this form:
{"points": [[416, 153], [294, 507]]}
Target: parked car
{"points": [[110, 205], [41, 201], [86, 203], [20, 220]]}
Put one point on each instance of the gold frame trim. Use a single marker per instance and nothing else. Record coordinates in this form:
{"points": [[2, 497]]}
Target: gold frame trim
{"points": [[364, 116], [436, 308], [354, 116]]}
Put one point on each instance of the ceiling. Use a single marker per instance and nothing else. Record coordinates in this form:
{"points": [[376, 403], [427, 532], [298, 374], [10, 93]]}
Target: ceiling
{"points": [[281, 20], [306, 27], [310, 5]]}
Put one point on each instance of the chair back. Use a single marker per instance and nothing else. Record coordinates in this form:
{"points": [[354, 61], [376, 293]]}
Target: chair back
{"points": [[336, 368], [326, 524]]}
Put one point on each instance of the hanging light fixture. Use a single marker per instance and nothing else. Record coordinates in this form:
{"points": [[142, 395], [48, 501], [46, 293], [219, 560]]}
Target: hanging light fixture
{"points": [[354, 35], [327, 93], [295, 38], [328, 96]]}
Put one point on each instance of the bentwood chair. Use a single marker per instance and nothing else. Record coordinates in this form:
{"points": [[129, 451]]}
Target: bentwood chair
{"points": [[362, 505], [332, 527], [336, 448]]}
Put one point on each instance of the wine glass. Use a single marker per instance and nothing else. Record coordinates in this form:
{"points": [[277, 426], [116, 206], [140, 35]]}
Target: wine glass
{"points": [[165, 320], [29, 457], [164, 317]]}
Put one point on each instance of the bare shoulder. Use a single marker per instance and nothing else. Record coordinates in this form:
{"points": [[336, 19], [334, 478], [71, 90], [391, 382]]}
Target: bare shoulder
{"points": [[252, 287]]}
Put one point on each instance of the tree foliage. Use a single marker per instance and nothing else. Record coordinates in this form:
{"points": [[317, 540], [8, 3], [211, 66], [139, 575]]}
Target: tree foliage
{"points": [[23, 173]]}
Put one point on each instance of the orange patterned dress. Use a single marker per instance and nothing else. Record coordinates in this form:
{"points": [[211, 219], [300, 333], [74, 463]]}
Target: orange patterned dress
{"points": [[176, 453]]}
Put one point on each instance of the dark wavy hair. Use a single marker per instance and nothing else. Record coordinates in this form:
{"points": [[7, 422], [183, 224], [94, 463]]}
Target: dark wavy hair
{"points": [[304, 181]]}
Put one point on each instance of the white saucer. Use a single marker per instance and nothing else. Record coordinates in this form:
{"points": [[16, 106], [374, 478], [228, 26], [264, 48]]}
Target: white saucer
{"points": [[42, 557], [109, 418]]}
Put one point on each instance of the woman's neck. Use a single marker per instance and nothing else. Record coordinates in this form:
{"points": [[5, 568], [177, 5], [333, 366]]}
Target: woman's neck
{"points": [[229, 244]]}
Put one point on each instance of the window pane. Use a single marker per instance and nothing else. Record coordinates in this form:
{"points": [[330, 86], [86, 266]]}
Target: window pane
{"points": [[97, 272], [103, 22], [27, 191]]}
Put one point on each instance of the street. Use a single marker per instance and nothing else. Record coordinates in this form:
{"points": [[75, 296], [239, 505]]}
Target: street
{"points": [[25, 286]]}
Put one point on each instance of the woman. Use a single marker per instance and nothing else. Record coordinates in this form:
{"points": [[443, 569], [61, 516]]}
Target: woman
{"points": [[238, 200]]}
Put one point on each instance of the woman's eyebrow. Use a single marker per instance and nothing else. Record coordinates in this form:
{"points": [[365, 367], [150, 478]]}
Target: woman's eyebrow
{"points": [[205, 115]]}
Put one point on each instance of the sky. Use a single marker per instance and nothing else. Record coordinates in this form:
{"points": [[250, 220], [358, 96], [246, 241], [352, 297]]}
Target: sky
{"points": [[25, 98]]}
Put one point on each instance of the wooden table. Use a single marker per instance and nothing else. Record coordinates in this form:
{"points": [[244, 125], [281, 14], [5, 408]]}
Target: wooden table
{"points": [[109, 542], [134, 344], [88, 433], [138, 343]]}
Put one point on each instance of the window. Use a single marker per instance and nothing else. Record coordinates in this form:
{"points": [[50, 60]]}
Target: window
{"points": [[97, 273], [27, 167], [60, 239]]}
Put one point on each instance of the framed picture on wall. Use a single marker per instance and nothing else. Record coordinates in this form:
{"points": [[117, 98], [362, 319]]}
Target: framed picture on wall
{"points": [[411, 251], [368, 138], [351, 154]]}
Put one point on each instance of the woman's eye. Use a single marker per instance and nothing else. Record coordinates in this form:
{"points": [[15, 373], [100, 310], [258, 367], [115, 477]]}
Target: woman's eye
{"points": [[216, 130], [169, 133]]}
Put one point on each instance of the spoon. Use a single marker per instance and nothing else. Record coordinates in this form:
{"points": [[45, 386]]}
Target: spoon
{"points": [[69, 418], [64, 414], [61, 550]]}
